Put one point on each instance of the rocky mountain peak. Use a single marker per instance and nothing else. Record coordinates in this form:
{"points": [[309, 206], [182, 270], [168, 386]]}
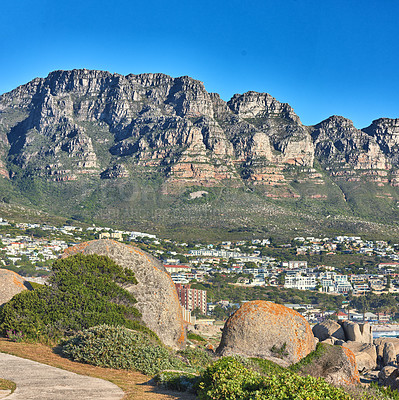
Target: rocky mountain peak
{"points": [[87, 123], [260, 105]]}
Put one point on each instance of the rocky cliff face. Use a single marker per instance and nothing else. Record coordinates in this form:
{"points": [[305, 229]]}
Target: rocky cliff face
{"points": [[92, 122], [82, 124]]}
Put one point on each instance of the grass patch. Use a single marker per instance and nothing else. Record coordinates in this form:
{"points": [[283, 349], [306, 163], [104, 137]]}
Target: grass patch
{"points": [[321, 348], [195, 337], [7, 385]]}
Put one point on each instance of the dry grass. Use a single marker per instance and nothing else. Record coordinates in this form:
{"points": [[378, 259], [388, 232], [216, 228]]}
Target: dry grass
{"points": [[135, 385], [7, 385]]}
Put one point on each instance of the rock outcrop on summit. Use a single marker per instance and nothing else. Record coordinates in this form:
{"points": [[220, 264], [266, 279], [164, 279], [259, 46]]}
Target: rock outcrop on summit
{"points": [[155, 292], [267, 330]]}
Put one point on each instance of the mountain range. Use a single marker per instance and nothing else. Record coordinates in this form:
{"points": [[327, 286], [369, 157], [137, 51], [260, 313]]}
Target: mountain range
{"points": [[162, 153]]}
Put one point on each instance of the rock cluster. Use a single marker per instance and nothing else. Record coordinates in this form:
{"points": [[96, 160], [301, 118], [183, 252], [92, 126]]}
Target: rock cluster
{"points": [[155, 292], [380, 354]]}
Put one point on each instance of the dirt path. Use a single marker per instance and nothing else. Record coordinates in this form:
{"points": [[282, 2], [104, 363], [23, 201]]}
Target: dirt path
{"points": [[40, 381], [135, 385]]}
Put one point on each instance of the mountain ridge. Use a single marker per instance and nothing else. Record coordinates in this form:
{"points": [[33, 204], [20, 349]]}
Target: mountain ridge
{"points": [[93, 130]]}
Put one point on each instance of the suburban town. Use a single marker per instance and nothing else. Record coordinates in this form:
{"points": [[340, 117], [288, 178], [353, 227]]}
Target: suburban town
{"points": [[30, 248]]}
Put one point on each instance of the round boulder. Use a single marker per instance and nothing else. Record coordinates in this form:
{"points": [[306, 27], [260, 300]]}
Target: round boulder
{"points": [[11, 284], [328, 328], [267, 330], [155, 292]]}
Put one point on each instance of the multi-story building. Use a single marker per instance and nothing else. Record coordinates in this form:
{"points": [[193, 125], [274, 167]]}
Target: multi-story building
{"points": [[191, 299], [299, 281]]}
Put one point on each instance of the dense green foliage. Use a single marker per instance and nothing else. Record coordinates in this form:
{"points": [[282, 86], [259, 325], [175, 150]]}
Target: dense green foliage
{"points": [[196, 358], [228, 379], [121, 348], [84, 291], [179, 381], [378, 303]]}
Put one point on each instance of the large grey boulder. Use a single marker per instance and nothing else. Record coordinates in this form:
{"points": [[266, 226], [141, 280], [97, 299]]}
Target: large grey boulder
{"points": [[328, 328], [366, 355], [389, 354], [380, 343], [358, 332], [267, 330], [155, 292], [11, 284]]}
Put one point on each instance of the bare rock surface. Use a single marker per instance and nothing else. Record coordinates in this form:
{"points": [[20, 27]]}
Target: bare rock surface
{"points": [[37, 381], [380, 343], [393, 380], [358, 332], [328, 328], [336, 364], [267, 330], [384, 374], [389, 354], [366, 355], [11, 284], [155, 292]]}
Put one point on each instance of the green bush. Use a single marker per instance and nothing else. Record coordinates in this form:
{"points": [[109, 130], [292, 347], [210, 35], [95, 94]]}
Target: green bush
{"points": [[120, 348], [84, 291], [179, 381], [196, 358], [228, 379]]}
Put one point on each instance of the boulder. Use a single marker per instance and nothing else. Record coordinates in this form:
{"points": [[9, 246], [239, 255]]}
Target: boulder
{"points": [[328, 328], [358, 332], [267, 330], [336, 364], [393, 380], [155, 292], [11, 284], [366, 355], [329, 340], [380, 343], [385, 373], [389, 354]]}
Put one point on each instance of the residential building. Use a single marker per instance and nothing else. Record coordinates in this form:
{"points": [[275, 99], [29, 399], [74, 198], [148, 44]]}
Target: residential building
{"points": [[191, 299]]}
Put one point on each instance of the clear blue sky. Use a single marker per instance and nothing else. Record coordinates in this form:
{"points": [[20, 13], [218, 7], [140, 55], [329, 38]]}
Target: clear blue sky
{"points": [[322, 57]]}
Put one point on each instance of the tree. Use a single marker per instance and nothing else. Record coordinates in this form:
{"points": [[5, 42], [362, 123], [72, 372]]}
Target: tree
{"points": [[84, 291]]}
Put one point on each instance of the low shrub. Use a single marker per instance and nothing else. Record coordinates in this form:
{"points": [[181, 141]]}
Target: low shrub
{"points": [[179, 381], [228, 379], [196, 358], [120, 348], [265, 367]]}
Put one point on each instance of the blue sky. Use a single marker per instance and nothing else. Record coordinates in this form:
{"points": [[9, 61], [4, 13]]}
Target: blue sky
{"points": [[322, 57]]}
